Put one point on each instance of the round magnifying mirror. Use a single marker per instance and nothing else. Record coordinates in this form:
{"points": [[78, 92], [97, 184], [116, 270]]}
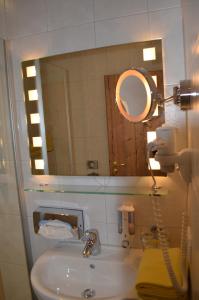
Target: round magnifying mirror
{"points": [[136, 95]]}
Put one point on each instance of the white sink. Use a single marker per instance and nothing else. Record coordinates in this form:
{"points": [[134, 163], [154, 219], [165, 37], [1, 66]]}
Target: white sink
{"points": [[63, 274]]}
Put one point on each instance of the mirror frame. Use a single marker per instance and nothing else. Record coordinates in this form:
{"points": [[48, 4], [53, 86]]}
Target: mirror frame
{"points": [[32, 104]]}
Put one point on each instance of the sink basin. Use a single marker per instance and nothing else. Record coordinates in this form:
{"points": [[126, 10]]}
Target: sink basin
{"points": [[62, 274]]}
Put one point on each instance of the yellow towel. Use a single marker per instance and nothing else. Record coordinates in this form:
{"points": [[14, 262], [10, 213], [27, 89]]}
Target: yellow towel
{"points": [[153, 281]]}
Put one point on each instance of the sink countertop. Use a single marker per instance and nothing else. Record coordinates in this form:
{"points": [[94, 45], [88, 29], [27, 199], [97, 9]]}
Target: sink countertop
{"points": [[112, 255]]}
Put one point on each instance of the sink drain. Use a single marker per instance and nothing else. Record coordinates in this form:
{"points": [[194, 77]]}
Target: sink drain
{"points": [[88, 293], [92, 266]]}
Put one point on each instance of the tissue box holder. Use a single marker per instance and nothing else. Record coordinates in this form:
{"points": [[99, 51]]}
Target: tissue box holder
{"points": [[72, 216]]}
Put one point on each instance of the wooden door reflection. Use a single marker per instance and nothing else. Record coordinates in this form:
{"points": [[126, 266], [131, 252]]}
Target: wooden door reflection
{"points": [[128, 141]]}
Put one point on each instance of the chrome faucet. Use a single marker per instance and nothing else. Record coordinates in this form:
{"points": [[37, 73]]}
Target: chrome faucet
{"points": [[93, 246]]}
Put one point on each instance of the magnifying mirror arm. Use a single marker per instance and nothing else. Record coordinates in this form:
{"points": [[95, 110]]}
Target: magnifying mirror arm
{"points": [[182, 95], [140, 80], [161, 149]]}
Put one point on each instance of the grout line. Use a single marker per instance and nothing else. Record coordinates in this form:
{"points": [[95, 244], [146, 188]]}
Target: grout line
{"points": [[49, 31], [5, 33], [149, 19], [106, 209], [162, 9], [135, 14], [91, 22], [94, 23], [47, 15], [121, 17]]}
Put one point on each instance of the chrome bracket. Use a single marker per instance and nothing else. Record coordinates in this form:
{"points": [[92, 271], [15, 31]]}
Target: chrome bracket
{"points": [[183, 94]]}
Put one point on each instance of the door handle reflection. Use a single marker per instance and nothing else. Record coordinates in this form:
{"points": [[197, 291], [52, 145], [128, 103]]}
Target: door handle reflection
{"points": [[116, 164]]}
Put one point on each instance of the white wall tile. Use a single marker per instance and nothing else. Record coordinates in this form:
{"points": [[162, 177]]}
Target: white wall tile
{"points": [[15, 281], [108, 9], [8, 193], [8, 197], [124, 22], [12, 247], [34, 200], [22, 130], [11, 236], [71, 39], [114, 238], [167, 25], [162, 4], [6, 151], [63, 13], [113, 202], [92, 205], [122, 30], [21, 49], [17, 83], [2, 18], [27, 240], [30, 47], [172, 214], [26, 171], [25, 17], [191, 24]]}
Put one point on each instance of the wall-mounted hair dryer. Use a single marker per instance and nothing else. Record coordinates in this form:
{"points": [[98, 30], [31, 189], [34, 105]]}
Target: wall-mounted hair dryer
{"points": [[165, 153]]}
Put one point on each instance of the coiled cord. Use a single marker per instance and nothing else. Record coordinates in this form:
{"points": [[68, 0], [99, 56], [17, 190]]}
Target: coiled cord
{"points": [[184, 238], [180, 289]]}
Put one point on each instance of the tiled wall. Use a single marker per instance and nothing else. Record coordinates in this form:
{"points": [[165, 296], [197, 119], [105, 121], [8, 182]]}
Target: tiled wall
{"points": [[94, 24], [13, 268], [191, 25], [46, 27], [2, 19], [101, 213]]}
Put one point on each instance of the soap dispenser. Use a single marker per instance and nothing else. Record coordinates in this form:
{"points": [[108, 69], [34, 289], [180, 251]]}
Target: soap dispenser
{"points": [[126, 224]]}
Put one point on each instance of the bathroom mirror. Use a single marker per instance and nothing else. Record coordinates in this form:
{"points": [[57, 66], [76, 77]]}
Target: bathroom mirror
{"points": [[136, 95], [74, 125]]}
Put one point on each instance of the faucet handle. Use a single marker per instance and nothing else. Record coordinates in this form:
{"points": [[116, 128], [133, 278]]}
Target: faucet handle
{"points": [[90, 234], [85, 236], [93, 246]]}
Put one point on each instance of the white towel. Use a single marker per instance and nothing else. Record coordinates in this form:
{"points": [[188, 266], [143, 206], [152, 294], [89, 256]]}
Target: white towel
{"points": [[55, 229]]}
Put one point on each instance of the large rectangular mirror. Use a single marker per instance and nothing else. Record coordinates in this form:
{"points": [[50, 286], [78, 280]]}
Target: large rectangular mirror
{"points": [[74, 126]]}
